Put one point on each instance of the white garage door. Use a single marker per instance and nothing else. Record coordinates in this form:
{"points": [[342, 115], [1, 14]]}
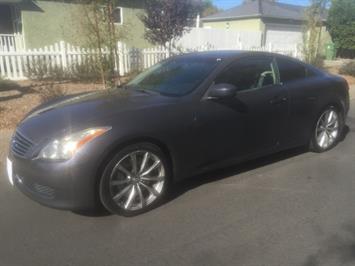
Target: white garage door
{"points": [[282, 36]]}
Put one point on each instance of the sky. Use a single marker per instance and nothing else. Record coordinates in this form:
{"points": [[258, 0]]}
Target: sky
{"points": [[225, 4]]}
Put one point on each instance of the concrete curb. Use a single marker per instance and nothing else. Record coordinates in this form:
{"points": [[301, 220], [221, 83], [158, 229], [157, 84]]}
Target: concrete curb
{"points": [[5, 135], [352, 92]]}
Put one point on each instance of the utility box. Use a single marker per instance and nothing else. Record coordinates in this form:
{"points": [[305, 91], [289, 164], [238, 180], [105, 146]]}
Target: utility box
{"points": [[330, 51]]}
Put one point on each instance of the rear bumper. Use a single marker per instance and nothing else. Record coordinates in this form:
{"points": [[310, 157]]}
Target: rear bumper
{"points": [[61, 185]]}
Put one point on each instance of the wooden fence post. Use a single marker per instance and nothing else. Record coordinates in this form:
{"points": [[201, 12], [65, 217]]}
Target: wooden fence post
{"points": [[296, 51], [167, 52], [120, 57], [270, 47], [63, 54]]}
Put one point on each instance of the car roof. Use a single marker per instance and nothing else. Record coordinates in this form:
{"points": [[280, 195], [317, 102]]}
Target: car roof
{"points": [[225, 54], [229, 55]]}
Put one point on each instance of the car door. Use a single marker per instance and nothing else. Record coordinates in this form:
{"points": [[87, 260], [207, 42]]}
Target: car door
{"points": [[249, 123], [303, 88]]}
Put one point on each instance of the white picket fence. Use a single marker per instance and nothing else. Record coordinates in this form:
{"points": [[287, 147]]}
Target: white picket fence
{"points": [[219, 38], [15, 64], [11, 42]]}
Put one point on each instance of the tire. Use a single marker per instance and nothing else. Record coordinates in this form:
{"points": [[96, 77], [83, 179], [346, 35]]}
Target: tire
{"points": [[130, 190], [322, 142]]}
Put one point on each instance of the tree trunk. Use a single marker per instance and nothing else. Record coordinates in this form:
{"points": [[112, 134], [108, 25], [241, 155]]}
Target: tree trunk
{"points": [[99, 42]]}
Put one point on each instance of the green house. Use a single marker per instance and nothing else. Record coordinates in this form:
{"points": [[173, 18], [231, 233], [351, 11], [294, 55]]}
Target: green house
{"points": [[35, 24]]}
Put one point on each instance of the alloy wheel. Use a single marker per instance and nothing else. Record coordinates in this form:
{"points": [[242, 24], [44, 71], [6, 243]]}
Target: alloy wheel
{"points": [[327, 130], [137, 180]]}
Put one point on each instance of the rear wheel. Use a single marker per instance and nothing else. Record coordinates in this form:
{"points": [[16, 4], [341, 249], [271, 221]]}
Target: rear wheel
{"points": [[135, 180], [328, 129]]}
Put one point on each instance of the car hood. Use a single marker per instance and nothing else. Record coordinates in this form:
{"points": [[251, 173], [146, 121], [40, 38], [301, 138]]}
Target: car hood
{"points": [[73, 113]]}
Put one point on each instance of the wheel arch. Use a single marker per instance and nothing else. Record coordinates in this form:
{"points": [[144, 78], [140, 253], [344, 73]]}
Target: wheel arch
{"points": [[338, 105], [120, 145], [335, 103]]}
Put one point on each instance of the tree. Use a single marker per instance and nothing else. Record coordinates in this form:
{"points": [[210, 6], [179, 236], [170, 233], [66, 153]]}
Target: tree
{"points": [[245, 1], [167, 20], [208, 8], [341, 25], [101, 32], [313, 30]]}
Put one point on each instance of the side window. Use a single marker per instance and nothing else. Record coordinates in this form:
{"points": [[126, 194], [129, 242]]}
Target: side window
{"points": [[290, 71], [249, 73], [118, 15]]}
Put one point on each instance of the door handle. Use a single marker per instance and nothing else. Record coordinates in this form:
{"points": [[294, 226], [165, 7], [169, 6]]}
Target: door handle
{"points": [[278, 100]]}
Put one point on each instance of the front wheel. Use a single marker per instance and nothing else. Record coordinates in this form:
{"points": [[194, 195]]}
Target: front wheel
{"points": [[135, 180], [327, 130]]}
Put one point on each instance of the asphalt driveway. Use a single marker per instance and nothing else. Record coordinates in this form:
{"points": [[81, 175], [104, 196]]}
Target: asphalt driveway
{"points": [[293, 208]]}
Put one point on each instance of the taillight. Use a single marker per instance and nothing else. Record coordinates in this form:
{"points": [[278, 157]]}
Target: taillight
{"points": [[345, 84]]}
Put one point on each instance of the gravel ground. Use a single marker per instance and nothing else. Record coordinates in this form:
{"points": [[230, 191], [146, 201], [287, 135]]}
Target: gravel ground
{"points": [[17, 99]]}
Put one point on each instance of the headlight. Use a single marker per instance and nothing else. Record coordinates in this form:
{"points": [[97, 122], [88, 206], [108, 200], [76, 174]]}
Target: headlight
{"points": [[65, 148]]}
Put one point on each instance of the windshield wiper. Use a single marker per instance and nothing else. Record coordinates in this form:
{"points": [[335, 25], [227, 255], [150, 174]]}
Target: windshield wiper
{"points": [[138, 89], [146, 91]]}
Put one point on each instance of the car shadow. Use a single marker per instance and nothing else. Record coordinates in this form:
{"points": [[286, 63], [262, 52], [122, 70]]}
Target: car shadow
{"points": [[16, 91], [346, 131], [191, 183], [194, 182], [97, 212]]}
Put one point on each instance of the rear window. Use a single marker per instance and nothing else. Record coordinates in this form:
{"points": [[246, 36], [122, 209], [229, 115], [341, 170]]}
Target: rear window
{"points": [[290, 71]]}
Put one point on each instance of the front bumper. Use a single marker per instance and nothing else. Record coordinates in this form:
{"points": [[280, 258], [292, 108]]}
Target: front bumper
{"points": [[68, 185]]}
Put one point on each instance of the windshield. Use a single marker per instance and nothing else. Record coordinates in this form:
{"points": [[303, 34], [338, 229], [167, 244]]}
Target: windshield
{"points": [[175, 77]]}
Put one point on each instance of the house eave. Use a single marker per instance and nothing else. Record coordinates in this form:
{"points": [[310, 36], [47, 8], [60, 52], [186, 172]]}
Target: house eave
{"points": [[251, 17], [10, 1], [231, 18]]}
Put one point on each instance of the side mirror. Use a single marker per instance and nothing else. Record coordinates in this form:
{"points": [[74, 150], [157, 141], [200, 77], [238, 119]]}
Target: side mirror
{"points": [[222, 91]]}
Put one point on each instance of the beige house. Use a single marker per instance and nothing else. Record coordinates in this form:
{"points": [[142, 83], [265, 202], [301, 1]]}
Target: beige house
{"points": [[278, 22]]}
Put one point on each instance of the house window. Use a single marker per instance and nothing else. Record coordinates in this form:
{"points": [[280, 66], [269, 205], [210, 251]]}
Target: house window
{"points": [[6, 22], [118, 15]]}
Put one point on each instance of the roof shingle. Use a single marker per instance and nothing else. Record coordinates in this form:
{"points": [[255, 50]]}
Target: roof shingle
{"points": [[261, 8]]}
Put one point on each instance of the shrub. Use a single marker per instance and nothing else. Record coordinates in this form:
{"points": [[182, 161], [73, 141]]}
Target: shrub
{"points": [[40, 69], [87, 71], [348, 69], [318, 61], [37, 69], [51, 91], [56, 73]]}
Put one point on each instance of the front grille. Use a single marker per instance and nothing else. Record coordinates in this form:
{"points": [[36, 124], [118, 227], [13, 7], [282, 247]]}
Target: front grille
{"points": [[44, 191], [20, 145]]}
